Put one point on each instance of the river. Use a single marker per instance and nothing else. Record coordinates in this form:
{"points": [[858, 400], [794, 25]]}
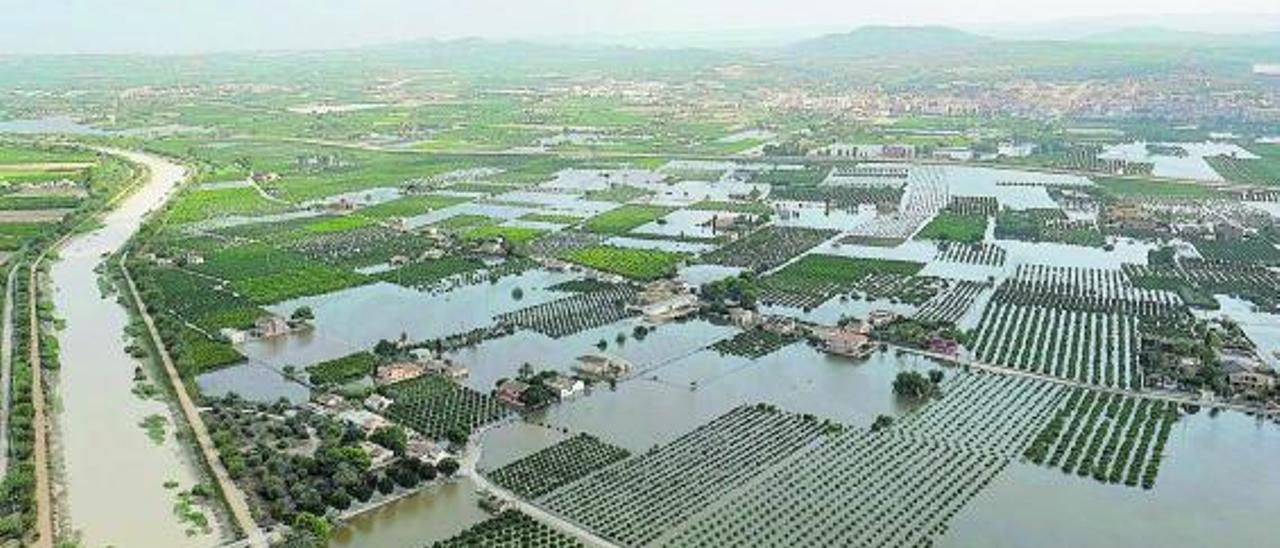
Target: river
{"points": [[113, 475]]}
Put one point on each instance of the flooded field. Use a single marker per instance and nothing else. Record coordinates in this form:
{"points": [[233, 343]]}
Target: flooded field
{"points": [[584, 285], [1221, 482]]}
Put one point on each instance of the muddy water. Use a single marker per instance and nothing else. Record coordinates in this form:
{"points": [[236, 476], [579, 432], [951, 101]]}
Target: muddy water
{"points": [[1218, 486], [667, 400], [113, 473]]}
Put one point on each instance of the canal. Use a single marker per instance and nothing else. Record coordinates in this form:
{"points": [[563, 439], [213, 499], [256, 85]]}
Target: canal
{"points": [[112, 489]]}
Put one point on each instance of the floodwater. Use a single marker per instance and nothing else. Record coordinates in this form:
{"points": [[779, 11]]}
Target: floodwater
{"points": [[655, 408], [1218, 486], [1191, 166], [54, 124], [436, 513], [344, 323], [113, 473]]}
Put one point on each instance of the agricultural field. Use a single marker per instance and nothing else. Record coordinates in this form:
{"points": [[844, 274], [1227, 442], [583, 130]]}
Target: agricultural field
{"points": [[790, 177], [1256, 250], [199, 204], [898, 486], [554, 218], [575, 313], [564, 241], [425, 275], [409, 206], [857, 489], [768, 247], [342, 370], [362, 246], [973, 206], [618, 194], [637, 264], [195, 352], [816, 278], [845, 197], [28, 202], [515, 235], [1262, 171], [635, 501], [951, 304], [752, 344], [1046, 225], [14, 235], [749, 208], [624, 219], [510, 529], [1085, 158], [265, 275], [1078, 324], [1195, 282], [440, 409], [1149, 189], [997, 414], [974, 254], [1111, 437], [954, 227], [201, 301], [561, 464]]}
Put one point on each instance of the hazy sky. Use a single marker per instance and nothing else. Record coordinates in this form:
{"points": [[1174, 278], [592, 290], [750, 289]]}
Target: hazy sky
{"points": [[47, 26]]}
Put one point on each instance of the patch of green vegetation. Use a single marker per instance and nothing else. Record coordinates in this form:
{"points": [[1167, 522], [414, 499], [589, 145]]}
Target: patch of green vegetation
{"points": [[154, 425], [32, 153], [342, 370], [1146, 188], [198, 205], [617, 193], [624, 219], [556, 218], [955, 228], [425, 274], [13, 235], [35, 202], [459, 222], [337, 224], [410, 206], [440, 408], [1046, 225], [1244, 250], [637, 264], [820, 272], [516, 235], [303, 281], [751, 208], [1264, 170], [264, 275], [197, 353]]}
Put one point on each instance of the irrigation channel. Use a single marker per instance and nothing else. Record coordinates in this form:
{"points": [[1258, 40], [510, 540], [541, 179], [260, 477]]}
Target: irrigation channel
{"points": [[112, 489]]}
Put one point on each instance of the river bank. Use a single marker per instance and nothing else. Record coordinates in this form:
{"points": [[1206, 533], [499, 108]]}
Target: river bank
{"points": [[119, 487]]}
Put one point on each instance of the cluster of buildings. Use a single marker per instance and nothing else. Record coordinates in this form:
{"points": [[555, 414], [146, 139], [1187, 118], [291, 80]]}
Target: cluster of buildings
{"points": [[368, 419], [512, 392], [665, 300]]}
